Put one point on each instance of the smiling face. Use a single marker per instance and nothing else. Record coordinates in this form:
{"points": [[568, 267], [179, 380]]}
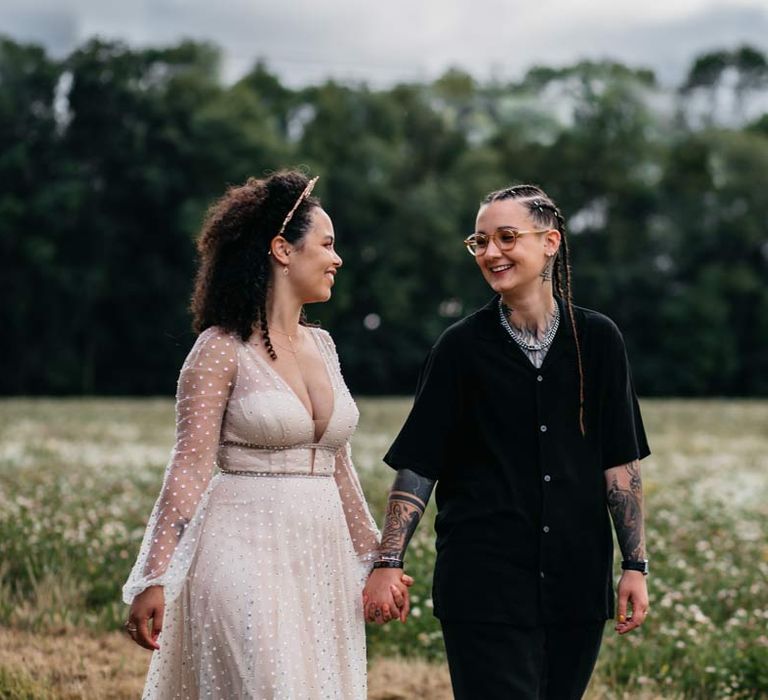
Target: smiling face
{"points": [[518, 270], [313, 260]]}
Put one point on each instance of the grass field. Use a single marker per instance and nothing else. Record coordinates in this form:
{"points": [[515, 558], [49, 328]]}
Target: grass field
{"points": [[78, 478]]}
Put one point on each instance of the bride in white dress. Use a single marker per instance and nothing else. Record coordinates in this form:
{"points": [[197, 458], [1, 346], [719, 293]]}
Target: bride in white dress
{"points": [[256, 553]]}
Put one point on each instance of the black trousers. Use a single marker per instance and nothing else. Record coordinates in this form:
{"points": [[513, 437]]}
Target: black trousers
{"points": [[504, 662]]}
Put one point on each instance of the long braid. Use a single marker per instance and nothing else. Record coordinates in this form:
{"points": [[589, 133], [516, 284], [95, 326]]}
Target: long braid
{"points": [[545, 212], [566, 263]]}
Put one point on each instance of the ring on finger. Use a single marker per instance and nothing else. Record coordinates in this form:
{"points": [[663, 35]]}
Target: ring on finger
{"points": [[130, 627]]}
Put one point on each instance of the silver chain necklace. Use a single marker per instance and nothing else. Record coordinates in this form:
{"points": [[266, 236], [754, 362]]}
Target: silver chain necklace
{"points": [[543, 344]]}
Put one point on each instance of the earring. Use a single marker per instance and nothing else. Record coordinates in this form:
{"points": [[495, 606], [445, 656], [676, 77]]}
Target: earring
{"points": [[285, 270]]}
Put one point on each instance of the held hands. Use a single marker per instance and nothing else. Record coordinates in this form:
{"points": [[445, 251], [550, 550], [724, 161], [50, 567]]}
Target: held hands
{"points": [[148, 605], [632, 591], [385, 596]]}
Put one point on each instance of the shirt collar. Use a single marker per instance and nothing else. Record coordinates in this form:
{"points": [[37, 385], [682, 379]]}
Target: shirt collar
{"points": [[488, 326]]}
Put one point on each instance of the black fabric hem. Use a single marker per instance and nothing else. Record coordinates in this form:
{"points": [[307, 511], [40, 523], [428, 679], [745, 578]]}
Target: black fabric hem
{"points": [[637, 455]]}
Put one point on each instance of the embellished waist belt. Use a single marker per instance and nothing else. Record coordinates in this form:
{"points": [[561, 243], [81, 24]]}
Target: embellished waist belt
{"points": [[279, 448], [268, 467], [280, 475]]}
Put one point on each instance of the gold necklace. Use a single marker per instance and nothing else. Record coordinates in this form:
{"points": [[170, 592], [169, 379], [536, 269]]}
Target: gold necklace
{"points": [[292, 349], [287, 349]]}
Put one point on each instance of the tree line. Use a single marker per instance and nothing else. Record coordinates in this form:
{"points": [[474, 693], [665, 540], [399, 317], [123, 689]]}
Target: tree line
{"points": [[110, 157]]}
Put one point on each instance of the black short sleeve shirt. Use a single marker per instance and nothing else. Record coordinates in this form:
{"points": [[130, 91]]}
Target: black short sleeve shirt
{"points": [[521, 493]]}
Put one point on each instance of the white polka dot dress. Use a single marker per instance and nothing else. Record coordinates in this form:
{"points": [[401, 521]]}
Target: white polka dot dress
{"points": [[262, 560]]}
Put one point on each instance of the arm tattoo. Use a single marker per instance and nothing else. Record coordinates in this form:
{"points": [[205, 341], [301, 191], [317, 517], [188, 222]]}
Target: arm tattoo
{"points": [[635, 483], [407, 502], [408, 481], [180, 525], [625, 503]]}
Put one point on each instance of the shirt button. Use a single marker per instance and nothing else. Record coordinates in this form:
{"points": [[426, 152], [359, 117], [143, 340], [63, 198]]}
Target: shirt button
{"points": [[543, 428], [539, 378], [545, 528], [547, 477]]}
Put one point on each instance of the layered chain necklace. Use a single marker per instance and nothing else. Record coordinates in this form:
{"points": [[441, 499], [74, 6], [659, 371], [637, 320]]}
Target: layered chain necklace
{"points": [[521, 340], [291, 339]]}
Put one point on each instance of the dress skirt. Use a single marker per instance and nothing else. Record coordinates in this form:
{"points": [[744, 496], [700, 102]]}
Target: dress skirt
{"points": [[271, 607]]}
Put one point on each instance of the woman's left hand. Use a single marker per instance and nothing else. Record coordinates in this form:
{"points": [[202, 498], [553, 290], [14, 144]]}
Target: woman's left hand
{"points": [[632, 593], [385, 596]]}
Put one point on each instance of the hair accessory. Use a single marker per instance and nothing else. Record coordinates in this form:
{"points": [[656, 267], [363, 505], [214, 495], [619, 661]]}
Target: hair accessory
{"points": [[307, 191]]}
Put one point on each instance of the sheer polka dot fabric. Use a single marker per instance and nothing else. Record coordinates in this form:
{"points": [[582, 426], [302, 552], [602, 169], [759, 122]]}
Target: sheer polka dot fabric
{"points": [[261, 537]]}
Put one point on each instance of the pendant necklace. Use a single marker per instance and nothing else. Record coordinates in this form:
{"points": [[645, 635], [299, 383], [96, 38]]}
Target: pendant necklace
{"points": [[290, 337]]}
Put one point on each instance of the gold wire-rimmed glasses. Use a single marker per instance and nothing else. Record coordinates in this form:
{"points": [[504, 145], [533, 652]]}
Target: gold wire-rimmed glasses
{"points": [[505, 239], [307, 191]]}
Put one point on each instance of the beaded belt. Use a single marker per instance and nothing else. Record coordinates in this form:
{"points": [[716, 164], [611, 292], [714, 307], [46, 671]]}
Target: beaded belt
{"points": [[280, 475], [279, 448], [275, 448]]}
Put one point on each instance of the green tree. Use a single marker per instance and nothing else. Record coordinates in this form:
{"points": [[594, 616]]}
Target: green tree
{"points": [[110, 158], [30, 161]]}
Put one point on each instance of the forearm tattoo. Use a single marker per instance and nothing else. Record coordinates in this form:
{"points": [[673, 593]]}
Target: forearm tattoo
{"points": [[407, 502], [625, 503]]}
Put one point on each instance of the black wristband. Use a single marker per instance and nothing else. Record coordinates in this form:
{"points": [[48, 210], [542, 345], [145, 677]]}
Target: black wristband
{"points": [[389, 564], [640, 565]]}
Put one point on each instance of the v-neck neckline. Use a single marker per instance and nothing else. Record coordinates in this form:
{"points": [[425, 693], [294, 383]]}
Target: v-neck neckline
{"points": [[522, 350], [293, 393], [492, 329]]}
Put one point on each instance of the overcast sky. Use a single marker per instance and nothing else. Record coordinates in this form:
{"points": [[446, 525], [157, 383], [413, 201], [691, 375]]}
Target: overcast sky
{"points": [[305, 41]]}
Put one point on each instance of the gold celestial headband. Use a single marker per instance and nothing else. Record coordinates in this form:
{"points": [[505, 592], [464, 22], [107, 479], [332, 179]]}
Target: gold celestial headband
{"points": [[307, 191]]}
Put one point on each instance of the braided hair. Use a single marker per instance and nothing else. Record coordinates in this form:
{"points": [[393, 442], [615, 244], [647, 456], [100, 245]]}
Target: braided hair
{"points": [[543, 210], [233, 274]]}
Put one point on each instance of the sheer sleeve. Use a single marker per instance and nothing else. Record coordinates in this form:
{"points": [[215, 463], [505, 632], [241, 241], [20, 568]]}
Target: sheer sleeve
{"points": [[362, 527], [205, 384]]}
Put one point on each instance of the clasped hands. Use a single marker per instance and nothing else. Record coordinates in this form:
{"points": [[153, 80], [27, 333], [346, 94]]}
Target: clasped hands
{"points": [[386, 597]]}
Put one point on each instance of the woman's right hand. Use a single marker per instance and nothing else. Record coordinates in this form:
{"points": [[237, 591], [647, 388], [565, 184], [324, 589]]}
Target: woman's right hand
{"points": [[148, 605], [385, 596]]}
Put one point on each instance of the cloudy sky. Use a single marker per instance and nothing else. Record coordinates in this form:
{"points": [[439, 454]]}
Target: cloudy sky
{"points": [[306, 41]]}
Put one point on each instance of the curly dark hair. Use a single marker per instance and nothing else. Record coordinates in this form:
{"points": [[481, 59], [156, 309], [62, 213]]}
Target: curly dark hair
{"points": [[233, 274], [545, 212]]}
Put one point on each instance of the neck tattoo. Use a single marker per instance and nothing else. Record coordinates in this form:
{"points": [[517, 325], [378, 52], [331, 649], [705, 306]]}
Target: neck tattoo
{"points": [[528, 339], [546, 273]]}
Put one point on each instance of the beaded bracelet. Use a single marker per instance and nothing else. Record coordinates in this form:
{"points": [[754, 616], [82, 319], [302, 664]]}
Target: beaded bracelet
{"points": [[389, 564]]}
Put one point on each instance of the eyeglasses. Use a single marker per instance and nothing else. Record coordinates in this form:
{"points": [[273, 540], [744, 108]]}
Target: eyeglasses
{"points": [[307, 191], [505, 240]]}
